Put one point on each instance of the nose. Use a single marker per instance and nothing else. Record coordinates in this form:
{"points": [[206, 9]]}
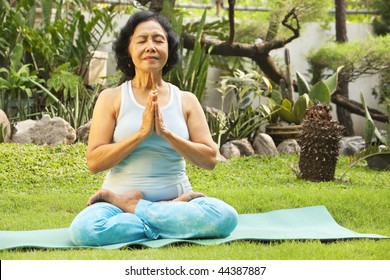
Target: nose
{"points": [[150, 46]]}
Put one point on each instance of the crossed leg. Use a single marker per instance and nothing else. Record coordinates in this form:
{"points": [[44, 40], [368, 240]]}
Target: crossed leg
{"points": [[128, 202]]}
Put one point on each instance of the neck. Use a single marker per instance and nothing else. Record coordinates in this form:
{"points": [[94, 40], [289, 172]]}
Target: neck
{"points": [[147, 80]]}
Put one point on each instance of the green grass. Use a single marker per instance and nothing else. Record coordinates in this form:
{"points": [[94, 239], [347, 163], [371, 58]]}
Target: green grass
{"points": [[45, 187]]}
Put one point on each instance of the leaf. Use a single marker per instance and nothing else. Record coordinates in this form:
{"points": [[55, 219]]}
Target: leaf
{"points": [[276, 96], [62, 67], [331, 82], [303, 86], [201, 25], [369, 129], [285, 112], [5, 4], [46, 11], [286, 104], [287, 115], [369, 118], [16, 56], [320, 93], [267, 83], [300, 107]]}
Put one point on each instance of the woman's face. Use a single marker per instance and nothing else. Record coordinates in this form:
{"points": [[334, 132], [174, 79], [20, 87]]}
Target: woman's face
{"points": [[148, 47]]}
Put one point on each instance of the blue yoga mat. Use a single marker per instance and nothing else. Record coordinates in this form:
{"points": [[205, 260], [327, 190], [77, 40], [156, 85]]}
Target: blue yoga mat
{"points": [[308, 223]]}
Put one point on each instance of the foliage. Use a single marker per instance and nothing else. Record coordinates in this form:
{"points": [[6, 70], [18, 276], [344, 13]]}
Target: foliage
{"points": [[77, 100], [67, 33], [378, 146], [191, 72], [17, 85], [381, 22], [360, 58], [370, 130], [55, 185], [71, 39], [240, 97], [306, 10]]}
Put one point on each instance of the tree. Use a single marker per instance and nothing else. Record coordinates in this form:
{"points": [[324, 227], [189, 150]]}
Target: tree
{"points": [[343, 115]]}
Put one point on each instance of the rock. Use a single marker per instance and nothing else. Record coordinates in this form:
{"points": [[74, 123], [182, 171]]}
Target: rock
{"points": [[50, 131], [5, 128], [229, 150], [264, 145], [83, 133], [221, 158], [351, 145], [289, 146], [244, 146], [22, 135]]}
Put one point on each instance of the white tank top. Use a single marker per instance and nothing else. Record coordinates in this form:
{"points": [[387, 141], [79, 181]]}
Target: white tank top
{"points": [[153, 167]]}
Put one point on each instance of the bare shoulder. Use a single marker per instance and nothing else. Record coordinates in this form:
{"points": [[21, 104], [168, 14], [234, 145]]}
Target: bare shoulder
{"points": [[192, 109], [189, 99], [110, 93], [109, 100]]}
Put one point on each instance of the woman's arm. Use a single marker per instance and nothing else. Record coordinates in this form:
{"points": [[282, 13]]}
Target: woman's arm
{"points": [[201, 150], [102, 154]]}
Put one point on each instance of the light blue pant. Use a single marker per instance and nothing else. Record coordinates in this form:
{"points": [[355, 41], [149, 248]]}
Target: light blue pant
{"points": [[103, 223]]}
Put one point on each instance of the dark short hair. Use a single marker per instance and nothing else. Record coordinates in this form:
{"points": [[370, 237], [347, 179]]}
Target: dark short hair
{"points": [[121, 45]]}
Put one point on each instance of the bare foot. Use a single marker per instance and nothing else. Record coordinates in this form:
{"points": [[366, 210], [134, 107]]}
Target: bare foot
{"points": [[186, 197], [126, 202]]}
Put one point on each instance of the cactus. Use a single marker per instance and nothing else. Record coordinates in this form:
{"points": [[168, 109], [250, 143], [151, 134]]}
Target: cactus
{"points": [[319, 143]]}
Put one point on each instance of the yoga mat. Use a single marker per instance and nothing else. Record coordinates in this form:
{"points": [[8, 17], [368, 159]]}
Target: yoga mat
{"points": [[308, 223]]}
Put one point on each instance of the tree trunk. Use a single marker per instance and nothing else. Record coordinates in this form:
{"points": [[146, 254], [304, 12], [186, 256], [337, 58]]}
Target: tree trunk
{"points": [[344, 116]]}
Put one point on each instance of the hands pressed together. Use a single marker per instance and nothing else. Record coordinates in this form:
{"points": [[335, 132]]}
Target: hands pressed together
{"points": [[152, 120]]}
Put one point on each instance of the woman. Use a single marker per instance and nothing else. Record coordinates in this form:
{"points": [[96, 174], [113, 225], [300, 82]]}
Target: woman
{"points": [[143, 131]]}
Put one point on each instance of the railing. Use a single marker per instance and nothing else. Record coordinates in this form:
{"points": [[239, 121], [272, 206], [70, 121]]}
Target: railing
{"points": [[213, 5]]}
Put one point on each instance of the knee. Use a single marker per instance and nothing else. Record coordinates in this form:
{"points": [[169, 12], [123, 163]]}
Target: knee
{"points": [[228, 221], [79, 233], [225, 216], [84, 233], [85, 228]]}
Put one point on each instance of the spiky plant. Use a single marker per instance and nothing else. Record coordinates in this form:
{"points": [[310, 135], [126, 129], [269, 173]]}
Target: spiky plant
{"points": [[319, 142]]}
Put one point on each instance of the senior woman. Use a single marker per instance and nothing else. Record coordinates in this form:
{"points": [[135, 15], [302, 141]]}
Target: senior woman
{"points": [[143, 131]]}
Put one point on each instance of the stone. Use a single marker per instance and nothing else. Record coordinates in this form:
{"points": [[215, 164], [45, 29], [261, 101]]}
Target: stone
{"points": [[5, 128], [83, 133], [22, 134], [221, 158], [264, 145], [229, 150], [351, 145], [289, 146], [50, 131], [244, 146]]}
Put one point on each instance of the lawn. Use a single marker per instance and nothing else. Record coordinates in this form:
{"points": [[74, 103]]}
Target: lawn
{"points": [[45, 187]]}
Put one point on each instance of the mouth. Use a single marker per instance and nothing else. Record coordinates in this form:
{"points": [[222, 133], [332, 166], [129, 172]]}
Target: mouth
{"points": [[150, 58]]}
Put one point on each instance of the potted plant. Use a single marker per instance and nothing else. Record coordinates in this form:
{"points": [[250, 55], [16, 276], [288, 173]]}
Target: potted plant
{"points": [[292, 111]]}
